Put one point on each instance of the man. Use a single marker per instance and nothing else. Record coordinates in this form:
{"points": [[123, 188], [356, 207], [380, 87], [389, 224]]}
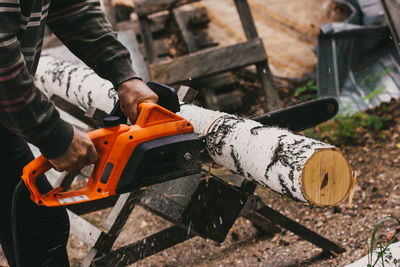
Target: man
{"points": [[27, 115]]}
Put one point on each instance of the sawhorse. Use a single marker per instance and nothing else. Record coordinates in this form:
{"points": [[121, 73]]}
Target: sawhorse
{"points": [[203, 211]]}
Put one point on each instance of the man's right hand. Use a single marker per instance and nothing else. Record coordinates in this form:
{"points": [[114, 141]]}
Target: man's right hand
{"points": [[81, 152]]}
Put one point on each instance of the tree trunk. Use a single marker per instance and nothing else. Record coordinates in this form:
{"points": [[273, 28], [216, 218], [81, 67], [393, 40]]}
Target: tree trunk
{"points": [[298, 167]]}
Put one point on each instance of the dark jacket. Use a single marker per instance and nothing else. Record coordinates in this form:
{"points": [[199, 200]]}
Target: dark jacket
{"points": [[82, 27]]}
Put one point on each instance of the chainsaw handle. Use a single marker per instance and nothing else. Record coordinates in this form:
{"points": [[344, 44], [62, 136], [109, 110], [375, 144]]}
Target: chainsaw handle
{"points": [[32, 172], [37, 167], [41, 165]]}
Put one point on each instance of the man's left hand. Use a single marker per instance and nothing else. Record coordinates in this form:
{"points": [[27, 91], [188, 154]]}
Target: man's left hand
{"points": [[131, 93]]}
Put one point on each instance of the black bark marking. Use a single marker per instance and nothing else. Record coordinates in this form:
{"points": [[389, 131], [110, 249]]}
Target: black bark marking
{"points": [[215, 139], [249, 176], [254, 131], [291, 175], [90, 99], [276, 157], [80, 103], [112, 94], [285, 190], [236, 161], [292, 156], [57, 73], [324, 181], [69, 79]]}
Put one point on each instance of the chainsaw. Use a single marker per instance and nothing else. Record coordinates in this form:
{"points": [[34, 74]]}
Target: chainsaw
{"points": [[160, 146]]}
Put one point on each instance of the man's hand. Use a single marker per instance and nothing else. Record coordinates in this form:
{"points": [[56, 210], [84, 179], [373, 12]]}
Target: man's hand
{"points": [[131, 93], [81, 152]]}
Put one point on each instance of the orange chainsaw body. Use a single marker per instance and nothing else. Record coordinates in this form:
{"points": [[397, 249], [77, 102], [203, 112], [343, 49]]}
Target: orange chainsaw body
{"points": [[121, 152]]}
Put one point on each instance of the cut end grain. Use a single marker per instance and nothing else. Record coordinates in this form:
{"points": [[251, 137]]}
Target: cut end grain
{"points": [[326, 178]]}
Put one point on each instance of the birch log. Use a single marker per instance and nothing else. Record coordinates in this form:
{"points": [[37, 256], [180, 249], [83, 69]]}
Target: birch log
{"points": [[298, 167]]}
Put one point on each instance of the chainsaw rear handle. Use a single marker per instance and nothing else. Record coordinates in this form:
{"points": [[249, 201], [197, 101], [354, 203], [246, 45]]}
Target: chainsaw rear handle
{"points": [[40, 165]]}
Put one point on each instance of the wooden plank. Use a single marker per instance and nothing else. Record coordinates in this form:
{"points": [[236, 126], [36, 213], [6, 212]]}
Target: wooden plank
{"points": [[246, 18], [162, 48], [221, 81], [157, 24], [207, 62], [83, 229], [187, 94], [264, 73], [271, 94], [121, 211], [147, 39], [113, 225], [204, 40], [128, 39], [87, 207], [191, 39], [187, 36], [193, 26], [147, 7]]}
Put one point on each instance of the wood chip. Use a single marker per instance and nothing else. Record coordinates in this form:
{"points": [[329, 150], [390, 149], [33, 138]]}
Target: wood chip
{"points": [[351, 195]]}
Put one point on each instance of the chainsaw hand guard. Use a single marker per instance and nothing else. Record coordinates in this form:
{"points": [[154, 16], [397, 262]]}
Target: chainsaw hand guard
{"points": [[161, 146]]}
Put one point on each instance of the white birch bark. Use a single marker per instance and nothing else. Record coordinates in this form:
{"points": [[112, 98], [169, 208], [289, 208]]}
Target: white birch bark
{"points": [[391, 258], [270, 156], [78, 84]]}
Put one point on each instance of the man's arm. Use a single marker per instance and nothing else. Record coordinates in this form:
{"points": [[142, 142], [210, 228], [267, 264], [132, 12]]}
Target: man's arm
{"points": [[83, 28], [25, 110]]}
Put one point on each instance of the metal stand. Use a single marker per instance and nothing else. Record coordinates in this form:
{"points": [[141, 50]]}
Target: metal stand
{"points": [[208, 209]]}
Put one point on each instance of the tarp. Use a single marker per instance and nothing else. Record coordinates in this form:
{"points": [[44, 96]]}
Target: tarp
{"points": [[358, 61]]}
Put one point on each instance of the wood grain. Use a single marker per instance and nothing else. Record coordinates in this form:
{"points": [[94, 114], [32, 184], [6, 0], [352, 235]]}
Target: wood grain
{"points": [[147, 7], [207, 62], [326, 178]]}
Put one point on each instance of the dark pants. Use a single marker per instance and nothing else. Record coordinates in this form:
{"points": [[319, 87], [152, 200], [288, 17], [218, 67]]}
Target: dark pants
{"points": [[42, 232]]}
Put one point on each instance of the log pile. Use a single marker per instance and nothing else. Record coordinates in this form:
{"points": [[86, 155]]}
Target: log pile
{"points": [[181, 32], [301, 168]]}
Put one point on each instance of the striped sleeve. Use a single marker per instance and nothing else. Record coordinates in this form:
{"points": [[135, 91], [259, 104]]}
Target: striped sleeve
{"points": [[83, 28], [23, 108]]}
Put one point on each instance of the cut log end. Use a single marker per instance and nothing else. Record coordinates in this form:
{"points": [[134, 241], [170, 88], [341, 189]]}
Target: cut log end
{"points": [[326, 178]]}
